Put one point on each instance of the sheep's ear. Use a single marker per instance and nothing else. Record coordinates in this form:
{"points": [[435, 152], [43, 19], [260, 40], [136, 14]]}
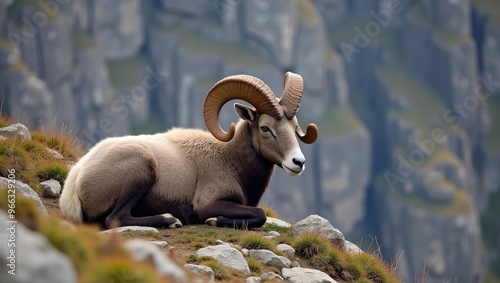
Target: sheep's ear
{"points": [[246, 113]]}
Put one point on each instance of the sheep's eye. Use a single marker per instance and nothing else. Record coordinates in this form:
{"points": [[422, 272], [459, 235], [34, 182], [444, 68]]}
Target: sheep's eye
{"points": [[265, 129]]}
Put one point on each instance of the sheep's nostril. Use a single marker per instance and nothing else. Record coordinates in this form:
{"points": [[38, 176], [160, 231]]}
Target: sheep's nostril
{"points": [[299, 163]]}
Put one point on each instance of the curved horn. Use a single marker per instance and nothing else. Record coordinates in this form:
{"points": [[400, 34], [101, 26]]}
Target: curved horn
{"points": [[311, 133], [244, 87], [293, 88]]}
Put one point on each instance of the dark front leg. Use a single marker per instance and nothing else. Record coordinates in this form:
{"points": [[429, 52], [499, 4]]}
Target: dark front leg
{"points": [[224, 213]]}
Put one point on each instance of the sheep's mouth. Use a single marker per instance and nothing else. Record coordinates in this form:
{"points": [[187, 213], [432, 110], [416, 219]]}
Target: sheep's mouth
{"points": [[291, 171]]}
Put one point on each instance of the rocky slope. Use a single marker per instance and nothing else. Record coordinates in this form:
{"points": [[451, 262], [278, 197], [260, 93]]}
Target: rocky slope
{"points": [[406, 94], [38, 245]]}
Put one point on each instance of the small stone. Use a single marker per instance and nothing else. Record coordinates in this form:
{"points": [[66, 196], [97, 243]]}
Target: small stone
{"points": [[278, 222], [55, 153], [269, 258], [160, 244], [202, 270], [244, 252], [271, 275], [352, 248], [305, 275], [253, 279], [227, 256], [143, 251], [130, 228], [273, 234], [50, 188], [295, 264], [220, 242], [287, 249], [16, 130]]}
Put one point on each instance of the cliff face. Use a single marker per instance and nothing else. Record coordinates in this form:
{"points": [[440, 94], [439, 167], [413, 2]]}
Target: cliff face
{"points": [[405, 93]]}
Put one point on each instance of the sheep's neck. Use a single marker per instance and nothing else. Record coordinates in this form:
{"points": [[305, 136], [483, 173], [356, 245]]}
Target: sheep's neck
{"points": [[254, 177]]}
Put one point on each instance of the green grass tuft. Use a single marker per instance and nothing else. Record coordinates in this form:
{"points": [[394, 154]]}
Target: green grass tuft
{"points": [[120, 270], [254, 241], [255, 266], [56, 170], [15, 156], [77, 248], [220, 271], [310, 244], [269, 211], [277, 228]]}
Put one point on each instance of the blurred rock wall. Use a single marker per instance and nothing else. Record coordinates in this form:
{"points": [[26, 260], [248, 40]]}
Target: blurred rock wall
{"points": [[405, 94]]}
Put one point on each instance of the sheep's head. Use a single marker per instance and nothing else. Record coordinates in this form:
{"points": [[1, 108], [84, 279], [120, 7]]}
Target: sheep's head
{"points": [[272, 121]]}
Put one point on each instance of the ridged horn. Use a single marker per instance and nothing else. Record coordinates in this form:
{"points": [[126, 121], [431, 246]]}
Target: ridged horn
{"points": [[293, 88], [244, 87], [311, 134]]}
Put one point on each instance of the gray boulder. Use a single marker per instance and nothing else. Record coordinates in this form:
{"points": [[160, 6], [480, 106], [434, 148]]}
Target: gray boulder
{"points": [[253, 279], [34, 260], [227, 256], [287, 249], [269, 258], [318, 224], [305, 275], [16, 130], [25, 190], [271, 276], [202, 270], [143, 251], [50, 188]]}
